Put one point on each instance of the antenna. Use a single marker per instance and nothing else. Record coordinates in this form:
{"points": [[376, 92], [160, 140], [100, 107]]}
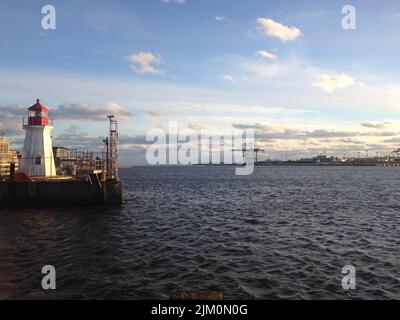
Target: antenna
{"points": [[112, 153]]}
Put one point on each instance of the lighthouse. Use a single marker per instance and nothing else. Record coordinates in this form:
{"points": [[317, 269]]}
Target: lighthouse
{"points": [[37, 155]]}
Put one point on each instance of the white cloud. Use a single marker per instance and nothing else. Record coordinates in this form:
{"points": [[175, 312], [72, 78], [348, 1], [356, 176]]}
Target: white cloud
{"points": [[145, 62], [378, 125], [253, 110], [194, 126], [87, 112], [155, 113], [199, 106], [266, 54], [174, 1], [228, 78], [119, 111], [220, 18], [332, 82], [275, 29], [252, 70]]}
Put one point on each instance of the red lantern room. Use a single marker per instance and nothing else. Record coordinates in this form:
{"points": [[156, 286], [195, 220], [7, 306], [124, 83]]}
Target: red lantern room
{"points": [[38, 114]]}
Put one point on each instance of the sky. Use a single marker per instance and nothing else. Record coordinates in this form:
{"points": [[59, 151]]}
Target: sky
{"points": [[287, 69]]}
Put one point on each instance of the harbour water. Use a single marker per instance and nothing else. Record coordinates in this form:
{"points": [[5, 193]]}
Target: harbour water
{"points": [[281, 233]]}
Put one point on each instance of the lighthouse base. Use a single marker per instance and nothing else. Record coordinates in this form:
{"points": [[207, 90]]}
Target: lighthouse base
{"points": [[37, 155], [59, 193]]}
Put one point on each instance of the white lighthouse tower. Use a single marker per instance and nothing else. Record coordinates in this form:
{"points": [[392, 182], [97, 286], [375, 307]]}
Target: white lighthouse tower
{"points": [[37, 155]]}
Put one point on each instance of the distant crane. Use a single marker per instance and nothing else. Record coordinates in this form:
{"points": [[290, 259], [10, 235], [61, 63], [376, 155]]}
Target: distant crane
{"points": [[245, 149]]}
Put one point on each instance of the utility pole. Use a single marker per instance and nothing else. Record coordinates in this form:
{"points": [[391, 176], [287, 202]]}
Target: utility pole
{"points": [[107, 160], [113, 148]]}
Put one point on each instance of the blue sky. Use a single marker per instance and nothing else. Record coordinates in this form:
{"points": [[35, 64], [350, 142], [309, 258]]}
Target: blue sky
{"points": [[208, 64]]}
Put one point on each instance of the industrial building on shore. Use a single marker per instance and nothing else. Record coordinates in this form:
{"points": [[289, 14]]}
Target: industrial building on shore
{"points": [[7, 156]]}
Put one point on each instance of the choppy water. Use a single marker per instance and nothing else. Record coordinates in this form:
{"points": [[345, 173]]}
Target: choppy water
{"points": [[284, 232]]}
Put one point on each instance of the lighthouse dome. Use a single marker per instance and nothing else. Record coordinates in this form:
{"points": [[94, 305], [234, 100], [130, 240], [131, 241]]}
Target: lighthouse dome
{"points": [[38, 114], [38, 106]]}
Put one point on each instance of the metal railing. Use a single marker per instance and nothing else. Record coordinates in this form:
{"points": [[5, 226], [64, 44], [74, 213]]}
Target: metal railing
{"points": [[25, 122], [73, 163]]}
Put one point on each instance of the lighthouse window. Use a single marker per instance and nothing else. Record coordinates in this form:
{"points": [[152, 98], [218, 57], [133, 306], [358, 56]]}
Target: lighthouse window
{"points": [[38, 160]]}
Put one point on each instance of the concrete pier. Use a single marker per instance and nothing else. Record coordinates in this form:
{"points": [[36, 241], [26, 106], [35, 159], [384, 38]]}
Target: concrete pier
{"points": [[54, 193]]}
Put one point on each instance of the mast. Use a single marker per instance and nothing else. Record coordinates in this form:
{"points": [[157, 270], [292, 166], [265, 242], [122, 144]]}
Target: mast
{"points": [[112, 166]]}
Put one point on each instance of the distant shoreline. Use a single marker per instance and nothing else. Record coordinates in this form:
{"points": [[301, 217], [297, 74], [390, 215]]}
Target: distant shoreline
{"points": [[281, 164], [297, 164]]}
